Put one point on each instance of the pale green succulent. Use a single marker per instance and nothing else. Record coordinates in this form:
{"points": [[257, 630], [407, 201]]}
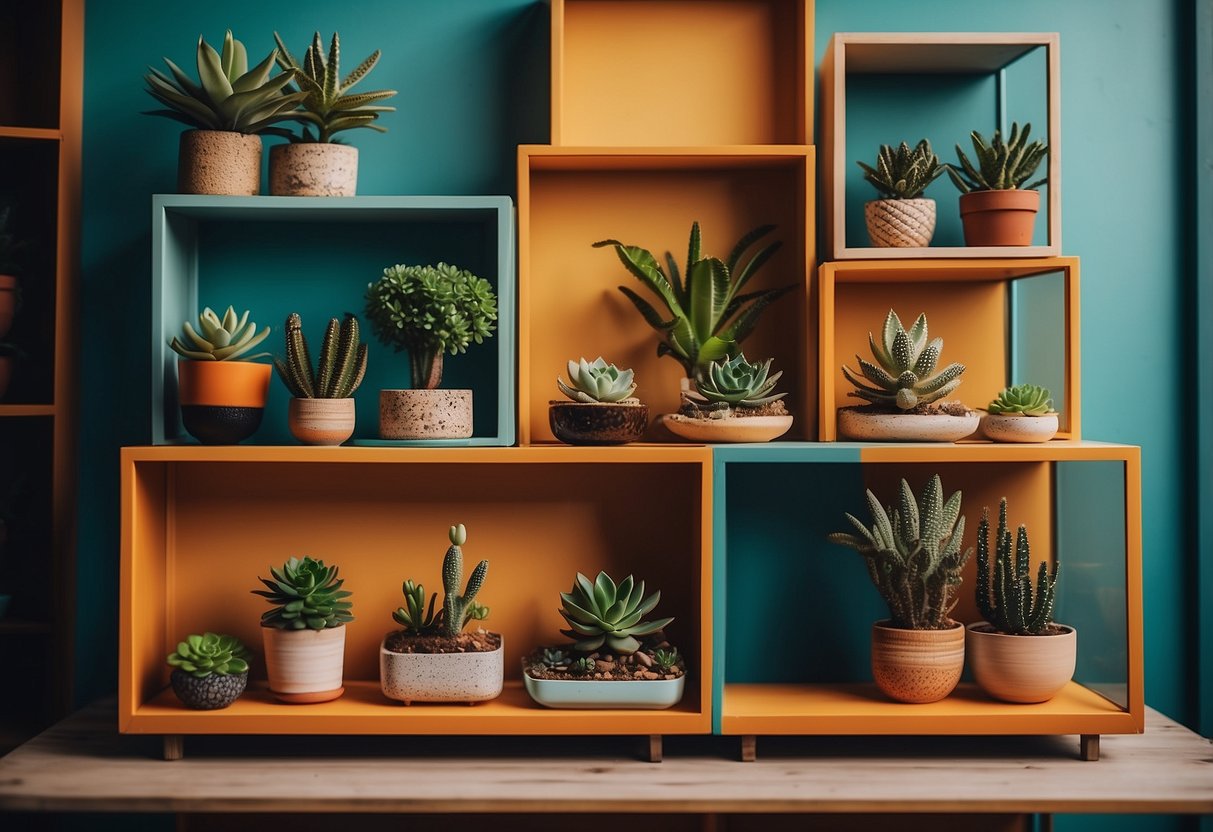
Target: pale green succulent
{"points": [[905, 377], [1023, 400], [210, 653], [599, 613], [220, 339], [737, 382], [230, 96], [597, 382]]}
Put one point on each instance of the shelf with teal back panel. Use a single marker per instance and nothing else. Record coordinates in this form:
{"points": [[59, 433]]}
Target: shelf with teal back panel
{"points": [[315, 256]]}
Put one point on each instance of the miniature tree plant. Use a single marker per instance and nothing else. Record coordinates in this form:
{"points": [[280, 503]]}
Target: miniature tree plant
{"points": [[210, 671]]}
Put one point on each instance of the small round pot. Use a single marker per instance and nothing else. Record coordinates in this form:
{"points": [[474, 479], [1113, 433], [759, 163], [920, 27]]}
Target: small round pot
{"points": [[1003, 427], [313, 169], [304, 666], [209, 694], [598, 423], [425, 414], [863, 425], [7, 363], [1022, 668], [917, 666], [999, 218], [219, 162], [222, 402], [441, 677], [8, 303], [321, 421], [900, 223]]}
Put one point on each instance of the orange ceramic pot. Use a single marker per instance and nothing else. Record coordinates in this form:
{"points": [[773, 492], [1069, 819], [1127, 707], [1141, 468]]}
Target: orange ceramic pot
{"points": [[999, 218], [917, 665], [8, 303], [222, 401]]}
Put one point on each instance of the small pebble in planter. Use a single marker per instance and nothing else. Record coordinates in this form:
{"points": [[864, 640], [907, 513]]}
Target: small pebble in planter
{"points": [[902, 218], [210, 671]]}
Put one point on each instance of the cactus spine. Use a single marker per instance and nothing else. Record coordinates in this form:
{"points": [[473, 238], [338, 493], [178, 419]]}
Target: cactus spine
{"points": [[455, 605], [1006, 598]]}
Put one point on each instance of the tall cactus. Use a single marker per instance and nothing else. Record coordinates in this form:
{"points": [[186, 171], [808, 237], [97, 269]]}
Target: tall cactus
{"points": [[454, 605], [1006, 598]]}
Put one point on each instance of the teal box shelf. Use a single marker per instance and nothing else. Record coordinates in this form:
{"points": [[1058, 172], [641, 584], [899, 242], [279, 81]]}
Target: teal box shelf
{"points": [[315, 256]]}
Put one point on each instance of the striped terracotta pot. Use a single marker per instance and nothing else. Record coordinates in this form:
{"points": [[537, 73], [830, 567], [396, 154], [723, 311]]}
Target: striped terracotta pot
{"points": [[321, 421], [917, 665]]}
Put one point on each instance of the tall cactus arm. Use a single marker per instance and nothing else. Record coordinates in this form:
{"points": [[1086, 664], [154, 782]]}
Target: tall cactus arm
{"points": [[983, 567], [328, 359], [475, 581], [298, 359]]}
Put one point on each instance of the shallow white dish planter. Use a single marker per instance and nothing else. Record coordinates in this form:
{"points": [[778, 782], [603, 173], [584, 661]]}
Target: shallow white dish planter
{"points": [[593, 693], [441, 677], [1005, 427], [305, 665], [863, 426], [733, 429], [1017, 668]]}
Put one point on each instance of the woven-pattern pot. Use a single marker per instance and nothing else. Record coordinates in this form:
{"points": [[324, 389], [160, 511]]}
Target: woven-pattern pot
{"points": [[900, 223], [917, 666], [219, 162], [313, 169]]}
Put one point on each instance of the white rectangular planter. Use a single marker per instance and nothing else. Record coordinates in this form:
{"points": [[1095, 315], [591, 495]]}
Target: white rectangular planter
{"points": [[441, 677], [591, 693]]}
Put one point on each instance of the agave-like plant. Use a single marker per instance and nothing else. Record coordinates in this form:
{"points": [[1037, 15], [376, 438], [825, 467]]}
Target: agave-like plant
{"points": [[1023, 400], [229, 95], [305, 594], [601, 612], [597, 381], [904, 375], [1006, 598], [707, 315], [903, 173], [342, 360], [330, 107], [220, 339], [210, 653], [1001, 165], [738, 383]]}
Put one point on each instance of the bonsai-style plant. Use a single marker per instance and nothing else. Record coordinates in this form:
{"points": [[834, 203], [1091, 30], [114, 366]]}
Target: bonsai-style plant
{"points": [[601, 409], [228, 107], [996, 206], [1009, 661], [1021, 413], [221, 391], [612, 642], [433, 658], [321, 411], [905, 389], [304, 630], [426, 311], [315, 163], [902, 216], [913, 555], [733, 401], [210, 671]]}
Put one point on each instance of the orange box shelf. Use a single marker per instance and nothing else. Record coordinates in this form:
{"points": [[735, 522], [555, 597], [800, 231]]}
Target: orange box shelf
{"points": [[681, 72], [199, 524], [569, 306], [1008, 321]]}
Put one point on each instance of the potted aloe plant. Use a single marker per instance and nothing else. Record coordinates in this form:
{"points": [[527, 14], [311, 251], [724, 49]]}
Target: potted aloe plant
{"points": [[303, 632], [601, 409], [914, 557], [996, 207], [321, 411], [905, 390], [210, 671], [733, 401], [1017, 654], [221, 390], [433, 657], [315, 163], [902, 217], [426, 311], [616, 658], [227, 108], [1021, 413]]}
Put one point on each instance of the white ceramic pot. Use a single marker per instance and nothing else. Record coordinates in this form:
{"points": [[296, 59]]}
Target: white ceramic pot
{"points": [[321, 421], [441, 677], [917, 666], [864, 426], [596, 693], [1004, 427], [734, 429], [900, 223], [219, 162], [313, 169], [1022, 668], [304, 665], [425, 414]]}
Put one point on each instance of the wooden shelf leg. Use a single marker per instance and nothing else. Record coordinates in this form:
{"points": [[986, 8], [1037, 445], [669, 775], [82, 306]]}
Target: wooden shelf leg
{"points": [[749, 748], [174, 746], [655, 748], [1088, 747]]}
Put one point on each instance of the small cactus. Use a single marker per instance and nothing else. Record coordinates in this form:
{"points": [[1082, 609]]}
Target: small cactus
{"points": [[1006, 598], [342, 360], [455, 605]]}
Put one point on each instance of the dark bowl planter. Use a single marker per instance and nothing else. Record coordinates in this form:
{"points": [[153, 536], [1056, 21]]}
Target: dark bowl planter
{"points": [[208, 694], [598, 423]]}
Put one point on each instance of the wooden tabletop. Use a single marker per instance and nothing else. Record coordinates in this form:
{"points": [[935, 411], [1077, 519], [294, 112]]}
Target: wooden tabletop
{"points": [[82, 764]]}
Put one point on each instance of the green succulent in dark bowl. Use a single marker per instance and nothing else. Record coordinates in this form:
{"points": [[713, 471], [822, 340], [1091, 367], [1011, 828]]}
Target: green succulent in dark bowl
{"points": [[210, 671]]}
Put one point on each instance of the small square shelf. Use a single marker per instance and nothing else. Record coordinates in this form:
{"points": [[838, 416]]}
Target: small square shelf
{"points": [[315, 256], [938, 86], [681, 72], [1007, 321]]}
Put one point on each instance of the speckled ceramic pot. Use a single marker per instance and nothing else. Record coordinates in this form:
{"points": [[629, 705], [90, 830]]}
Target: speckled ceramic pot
{"points": [[917, 666], [313, 169], [304, 665], [425, 414], [1022, 668], [219, 162], [598, 423], [441, 677], [321, 421], [873, 426], [207, 694], [1003, 427], [900, 223]]}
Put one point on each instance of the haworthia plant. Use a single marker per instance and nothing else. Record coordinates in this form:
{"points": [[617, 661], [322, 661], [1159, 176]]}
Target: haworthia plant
{"points": [[903, 173], [1002, 165]]}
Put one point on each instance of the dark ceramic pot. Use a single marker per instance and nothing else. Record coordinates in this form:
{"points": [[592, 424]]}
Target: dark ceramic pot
{"points": [[600, 423], [208, 694]]}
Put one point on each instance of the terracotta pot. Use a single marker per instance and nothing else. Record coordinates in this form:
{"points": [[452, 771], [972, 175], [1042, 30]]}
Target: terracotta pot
{"points": [[425, 414], [900, 223], [209, 694], [304, 665], [219, 162], [599, 423], [865, 425], [7, 363], [321, 421], [999, 218], [8, 303], [1004, 427], [313, 169], [222, 401], [441, 677], [917, 666], [1022, 668]]}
